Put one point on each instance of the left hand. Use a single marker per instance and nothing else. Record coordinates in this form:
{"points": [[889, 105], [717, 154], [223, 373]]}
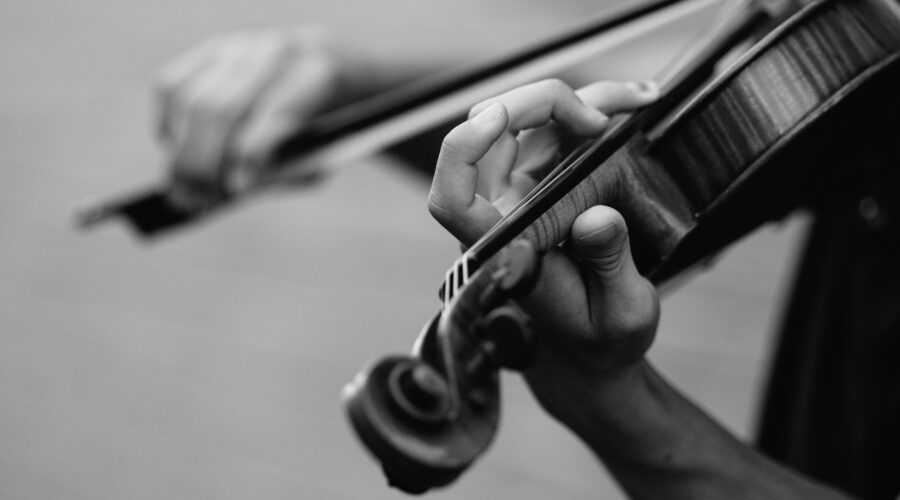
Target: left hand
{"points": [[595, 315]]}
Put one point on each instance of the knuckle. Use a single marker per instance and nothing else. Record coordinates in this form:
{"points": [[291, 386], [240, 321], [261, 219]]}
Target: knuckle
{"points": [[323, 70], [613, 257], [438, 208], [602, 87], [221, 107], [481, 106], [645, 317], [556, 86], [608, 261], [210, 106], [449, 146], [194, 105], [454, 143]]}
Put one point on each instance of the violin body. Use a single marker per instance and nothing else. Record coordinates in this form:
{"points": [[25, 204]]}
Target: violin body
{"points": [[771, 127], [690, 174], [778, 128]]}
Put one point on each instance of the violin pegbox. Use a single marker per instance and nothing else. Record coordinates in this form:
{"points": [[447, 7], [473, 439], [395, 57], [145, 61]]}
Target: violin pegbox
{"points": [[503, 330], [428, 416], [479, 310]]}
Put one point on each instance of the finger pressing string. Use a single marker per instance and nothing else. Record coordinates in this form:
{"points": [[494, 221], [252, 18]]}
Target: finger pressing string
{"points": [[453, 199], [495, 166], [615, 97], [600, 239]]}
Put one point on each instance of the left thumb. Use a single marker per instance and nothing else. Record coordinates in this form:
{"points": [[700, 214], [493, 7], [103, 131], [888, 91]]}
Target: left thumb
{"points": [[600, 239]]}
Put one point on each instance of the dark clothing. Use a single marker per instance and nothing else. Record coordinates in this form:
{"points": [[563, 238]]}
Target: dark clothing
{"points": [[833, 406]]}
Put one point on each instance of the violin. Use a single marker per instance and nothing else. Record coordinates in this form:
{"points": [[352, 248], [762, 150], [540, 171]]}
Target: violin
{"points": [[712, 159]]}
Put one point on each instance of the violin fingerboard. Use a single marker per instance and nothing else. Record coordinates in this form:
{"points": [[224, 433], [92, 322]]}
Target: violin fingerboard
{"points": [[632, 182]]}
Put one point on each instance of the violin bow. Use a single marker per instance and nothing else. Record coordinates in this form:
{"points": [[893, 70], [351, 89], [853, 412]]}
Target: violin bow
{"points": [[373, 124]]}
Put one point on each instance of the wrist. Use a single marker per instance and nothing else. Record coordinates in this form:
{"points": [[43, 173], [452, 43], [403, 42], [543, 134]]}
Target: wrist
{"points": [[630, 414], [606, 397], [660, 445], [581, 399]]}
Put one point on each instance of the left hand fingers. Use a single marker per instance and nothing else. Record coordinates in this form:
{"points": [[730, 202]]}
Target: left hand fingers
{"points": [[507, 171], [612, 97], [535, 104], [582, 112], [453, 199], [598, 299], [599, 237], [495, 167]]}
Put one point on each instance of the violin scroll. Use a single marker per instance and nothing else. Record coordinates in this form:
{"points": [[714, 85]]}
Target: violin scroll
{"points": [[428, 416]]}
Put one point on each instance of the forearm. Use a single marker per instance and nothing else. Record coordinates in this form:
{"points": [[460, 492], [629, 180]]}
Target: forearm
{"points": [[660, 445]]}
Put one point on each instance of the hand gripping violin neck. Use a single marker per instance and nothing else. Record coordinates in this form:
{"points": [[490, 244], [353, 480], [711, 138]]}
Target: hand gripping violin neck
{"points": [[707, 163]]}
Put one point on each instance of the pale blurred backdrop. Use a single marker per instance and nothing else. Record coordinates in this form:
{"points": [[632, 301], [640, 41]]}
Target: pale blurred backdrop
{"points": [[208, 365]]}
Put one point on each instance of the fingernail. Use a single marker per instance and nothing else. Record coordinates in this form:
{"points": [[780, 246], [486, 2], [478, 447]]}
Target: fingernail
{"points": [[490, 114], [599, 236], [644, 87]]}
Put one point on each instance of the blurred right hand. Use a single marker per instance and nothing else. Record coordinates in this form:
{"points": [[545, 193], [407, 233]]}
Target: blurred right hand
{"points": [[227, 103]]}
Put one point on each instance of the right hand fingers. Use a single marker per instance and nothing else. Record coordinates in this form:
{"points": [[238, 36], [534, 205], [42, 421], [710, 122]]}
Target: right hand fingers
{"points": [[304, 87], [203, 94], [207, 98]]}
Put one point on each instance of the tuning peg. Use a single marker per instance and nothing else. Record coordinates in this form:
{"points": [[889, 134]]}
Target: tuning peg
{"points": [[518, 267], [419, 392], [508, 338]]}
